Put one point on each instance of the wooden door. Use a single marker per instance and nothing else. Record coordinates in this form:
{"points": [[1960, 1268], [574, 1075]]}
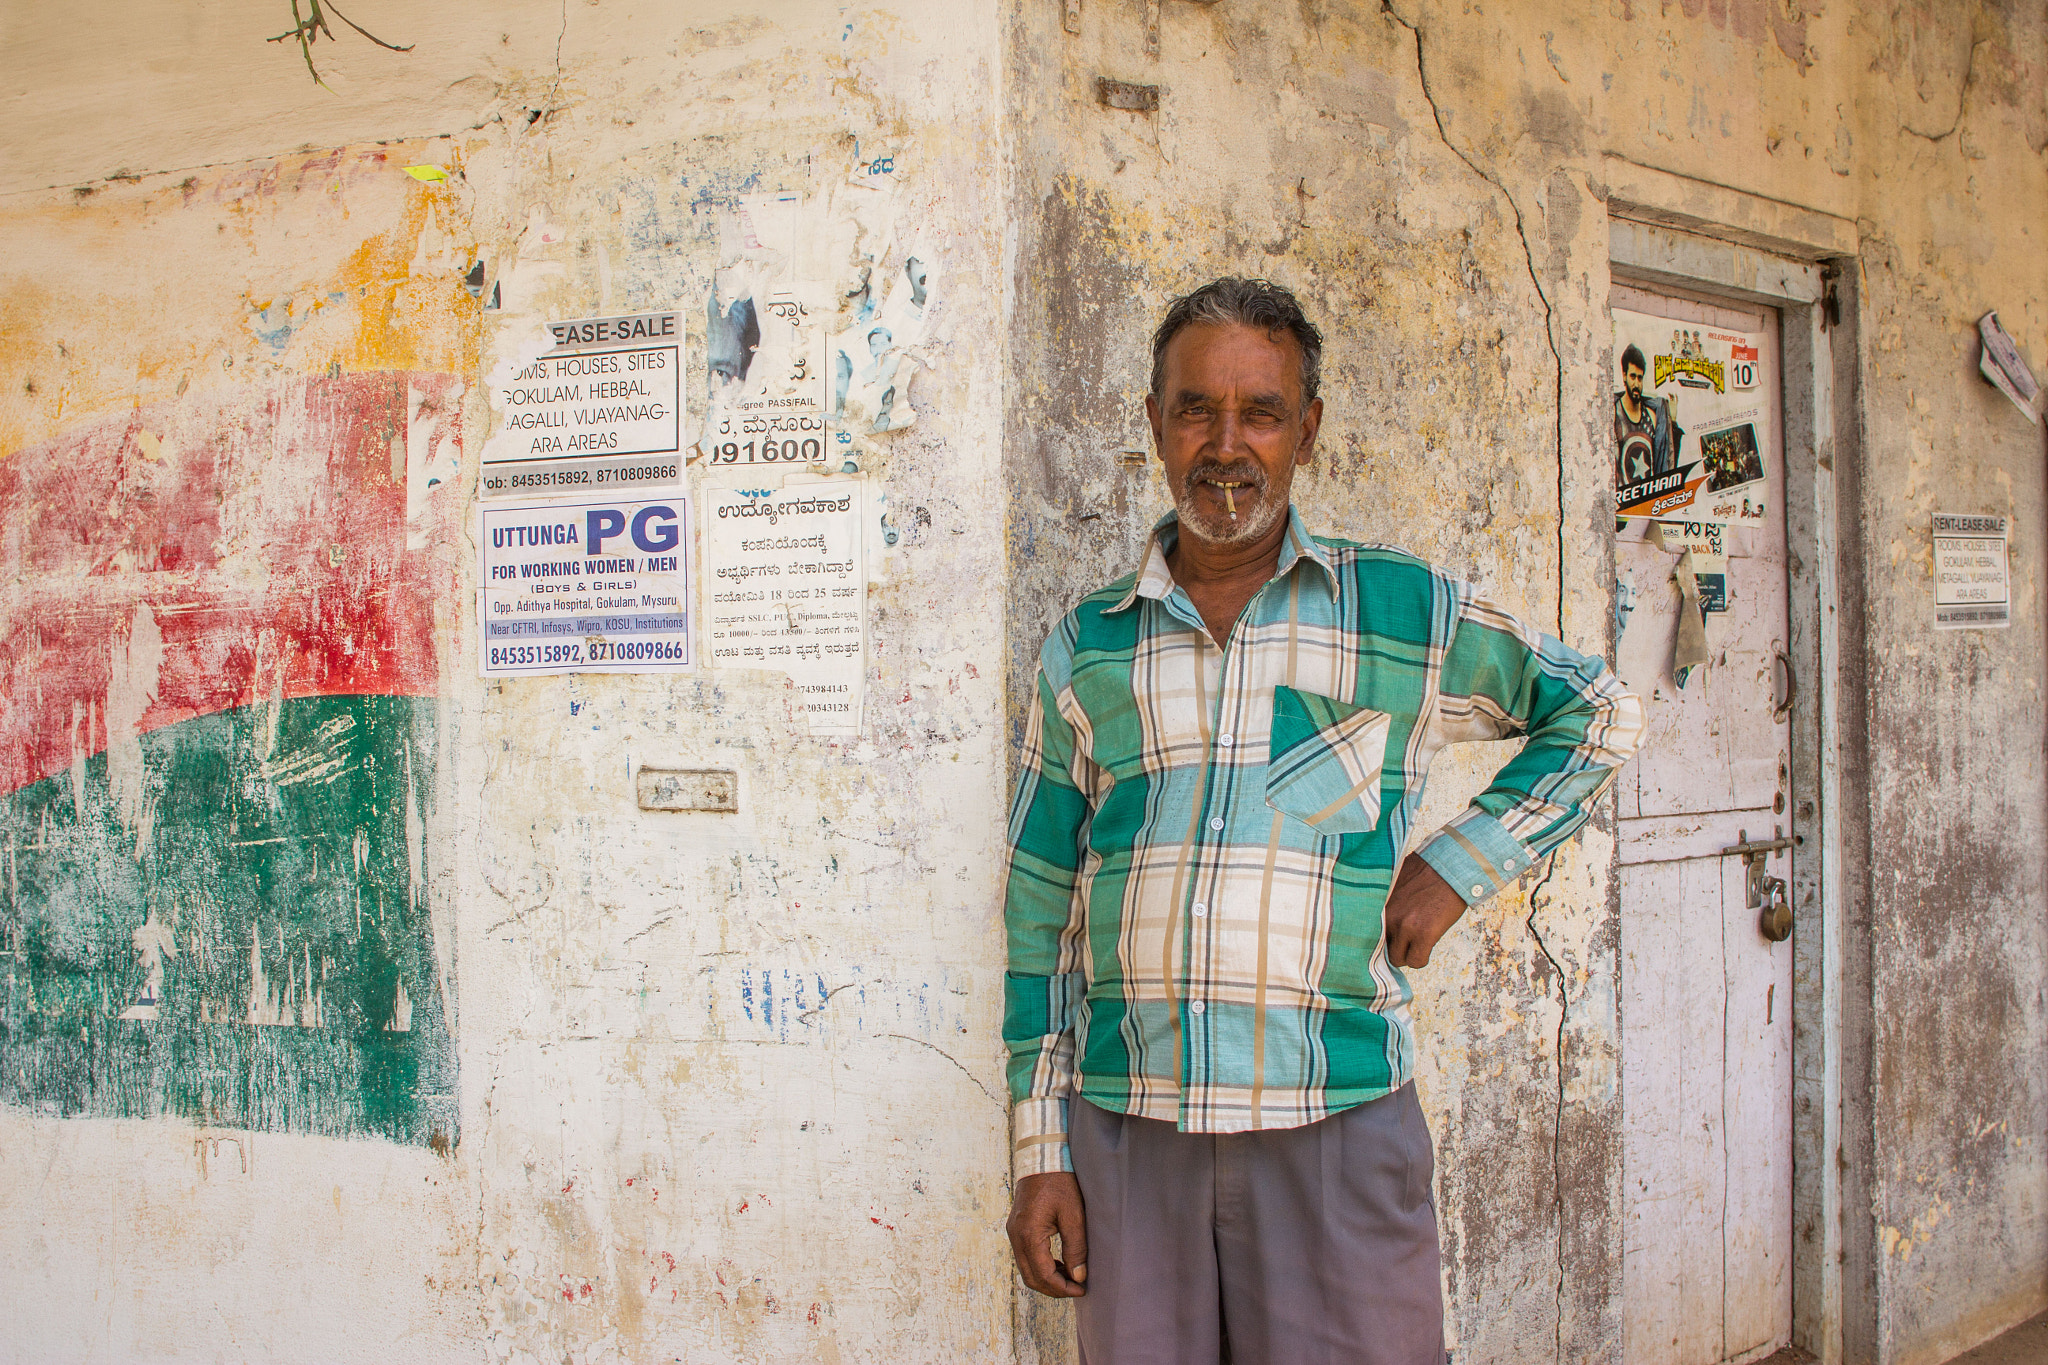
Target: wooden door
{"points": [[1707, 1009]]}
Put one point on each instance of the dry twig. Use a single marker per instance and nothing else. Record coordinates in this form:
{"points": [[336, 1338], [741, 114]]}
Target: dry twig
{"points": [[308, 29]]}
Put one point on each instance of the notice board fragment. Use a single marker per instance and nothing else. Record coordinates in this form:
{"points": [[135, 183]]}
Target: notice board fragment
{"points": [[599, 409], [1972, 588]]}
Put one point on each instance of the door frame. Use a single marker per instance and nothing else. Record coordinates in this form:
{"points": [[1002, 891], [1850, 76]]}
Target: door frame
{"points": [[1671, 232]]}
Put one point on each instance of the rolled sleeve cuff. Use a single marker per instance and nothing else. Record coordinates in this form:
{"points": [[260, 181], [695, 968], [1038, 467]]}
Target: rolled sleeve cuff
{"points": [[1476, 855], [1038, 1138]]}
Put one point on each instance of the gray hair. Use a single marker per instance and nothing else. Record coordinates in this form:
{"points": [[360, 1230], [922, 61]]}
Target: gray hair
{"points": [[1235, 301]]}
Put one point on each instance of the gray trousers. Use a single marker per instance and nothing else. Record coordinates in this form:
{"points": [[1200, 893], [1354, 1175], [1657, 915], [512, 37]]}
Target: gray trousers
{"points": [[1295, 1246]]}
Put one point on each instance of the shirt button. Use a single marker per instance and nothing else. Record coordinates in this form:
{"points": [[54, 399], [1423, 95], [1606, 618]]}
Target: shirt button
{"points": [[1224, 740], [1478, 890], [1200, 909], [1215, 822], [1197, 1007], [1508, 863]]}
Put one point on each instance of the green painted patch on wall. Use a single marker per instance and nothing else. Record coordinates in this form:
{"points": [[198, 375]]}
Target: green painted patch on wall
{"points": [[236, 929]]}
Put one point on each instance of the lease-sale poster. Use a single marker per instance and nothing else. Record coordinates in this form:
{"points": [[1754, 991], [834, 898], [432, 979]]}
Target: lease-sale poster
{"points": [[599, 409], [1689, 421]]}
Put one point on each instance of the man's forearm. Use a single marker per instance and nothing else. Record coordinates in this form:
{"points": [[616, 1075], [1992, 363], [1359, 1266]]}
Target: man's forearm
{"points": [[1580, 726]]}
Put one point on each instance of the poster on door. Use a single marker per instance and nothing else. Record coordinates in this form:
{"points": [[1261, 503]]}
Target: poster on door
{"points": [[1689, 421]]}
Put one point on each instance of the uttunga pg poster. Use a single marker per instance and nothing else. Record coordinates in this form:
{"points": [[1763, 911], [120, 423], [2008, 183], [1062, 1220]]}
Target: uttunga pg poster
{"points": [[1689, 423]]}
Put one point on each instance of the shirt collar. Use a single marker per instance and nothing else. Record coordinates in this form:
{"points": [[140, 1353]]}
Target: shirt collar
{"points": [[1155, 579]]}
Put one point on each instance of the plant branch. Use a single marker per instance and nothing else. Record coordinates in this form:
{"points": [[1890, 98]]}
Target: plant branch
{"points": [[389, 47], [307, 30]]}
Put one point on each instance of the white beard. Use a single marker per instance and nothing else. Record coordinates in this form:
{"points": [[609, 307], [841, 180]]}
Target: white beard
{"points": [[1220, 528]]}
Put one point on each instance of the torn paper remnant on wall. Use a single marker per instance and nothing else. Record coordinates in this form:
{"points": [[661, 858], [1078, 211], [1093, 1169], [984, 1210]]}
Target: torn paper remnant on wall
{"points": [[871, 358], [764, 341]]}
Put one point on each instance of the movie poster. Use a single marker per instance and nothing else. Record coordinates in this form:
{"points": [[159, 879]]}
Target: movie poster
{"points": [[1689, 421]]}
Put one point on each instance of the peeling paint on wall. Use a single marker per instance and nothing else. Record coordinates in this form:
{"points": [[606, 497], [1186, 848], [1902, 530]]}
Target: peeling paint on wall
{"points": [[213, 757]]}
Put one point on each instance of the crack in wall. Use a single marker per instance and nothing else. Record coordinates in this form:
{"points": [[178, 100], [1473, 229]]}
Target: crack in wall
{"points": [[1557, 434], [805, 1016], [1557, 1114], [547, 110], [997, 1100], [1962, 99]]}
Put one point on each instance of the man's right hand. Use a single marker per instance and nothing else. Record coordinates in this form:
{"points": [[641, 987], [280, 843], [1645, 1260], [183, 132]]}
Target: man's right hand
{"points": [[1043, 1205]]}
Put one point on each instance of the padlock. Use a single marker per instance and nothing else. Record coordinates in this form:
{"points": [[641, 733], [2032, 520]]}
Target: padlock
{"points": [[1775, 923]]}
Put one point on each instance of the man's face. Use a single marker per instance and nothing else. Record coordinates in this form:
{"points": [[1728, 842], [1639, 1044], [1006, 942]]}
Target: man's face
{"points": [[1231, 427], [1632, 380]]}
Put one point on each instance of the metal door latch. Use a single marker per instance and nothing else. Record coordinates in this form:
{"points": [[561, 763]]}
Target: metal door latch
{"points": [[1766, 894], [1753, 855]]}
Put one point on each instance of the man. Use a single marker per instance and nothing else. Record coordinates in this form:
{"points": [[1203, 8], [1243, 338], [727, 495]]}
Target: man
{"points": [[1210, 1047], [1646, 432]]}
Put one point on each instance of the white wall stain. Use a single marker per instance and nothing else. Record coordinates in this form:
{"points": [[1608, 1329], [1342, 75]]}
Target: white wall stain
{"points": [[131, 689]]}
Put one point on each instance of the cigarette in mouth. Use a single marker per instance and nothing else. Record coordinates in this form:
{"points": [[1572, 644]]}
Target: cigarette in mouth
{"points": [[1229, 501]]}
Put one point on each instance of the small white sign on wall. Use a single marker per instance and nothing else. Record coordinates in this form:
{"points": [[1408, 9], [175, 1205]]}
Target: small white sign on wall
{"points": [[1972, 589], [786, 588], [584, 587]]}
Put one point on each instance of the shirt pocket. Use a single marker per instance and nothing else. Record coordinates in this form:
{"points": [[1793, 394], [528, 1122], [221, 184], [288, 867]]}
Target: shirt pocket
{"points": [[1323, 762]]}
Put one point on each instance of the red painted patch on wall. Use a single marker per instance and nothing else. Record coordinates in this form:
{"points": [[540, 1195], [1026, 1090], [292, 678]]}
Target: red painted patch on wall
{"points": [[264, 533]]}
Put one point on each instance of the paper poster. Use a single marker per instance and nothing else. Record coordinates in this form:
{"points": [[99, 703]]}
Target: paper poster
{"points": [[872, 364], [1707, 543], [786, 588], [1690, 422], [1708, 538], [595, 405], [1710, 580], [1999, 361], [584, 587], [764, 340], [1689, 645], [1972, 588]]}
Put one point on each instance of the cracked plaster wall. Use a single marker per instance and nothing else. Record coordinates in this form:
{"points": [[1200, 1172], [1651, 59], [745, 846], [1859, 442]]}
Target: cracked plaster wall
{"points": [[1430, 177], [652, 1161]]}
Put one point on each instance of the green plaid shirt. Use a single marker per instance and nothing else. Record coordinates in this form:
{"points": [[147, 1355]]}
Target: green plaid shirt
{"points": [[1202, 839]]}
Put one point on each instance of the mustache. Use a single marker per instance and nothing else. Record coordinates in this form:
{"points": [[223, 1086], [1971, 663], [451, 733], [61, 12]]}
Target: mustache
{"points": [[1243, 471]]}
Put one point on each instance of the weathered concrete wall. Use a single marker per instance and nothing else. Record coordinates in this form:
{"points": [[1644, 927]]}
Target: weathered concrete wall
{"points": [[1431, 177], [230, 1009], [1958, 933], [727, 1088]]}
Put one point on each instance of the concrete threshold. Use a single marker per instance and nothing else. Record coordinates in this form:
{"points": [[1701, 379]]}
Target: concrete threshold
{"points": [[2026, 1344]]}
